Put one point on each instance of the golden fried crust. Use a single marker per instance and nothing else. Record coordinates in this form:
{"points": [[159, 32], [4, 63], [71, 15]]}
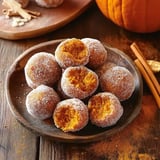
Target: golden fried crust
{"points": [[72, 52], [119, 81], [98, 53], [42, 68], [41, 102], [104, 109]]}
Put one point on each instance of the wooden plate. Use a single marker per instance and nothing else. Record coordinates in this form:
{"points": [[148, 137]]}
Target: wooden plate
{"points": [[50, 19], [17, 89]]}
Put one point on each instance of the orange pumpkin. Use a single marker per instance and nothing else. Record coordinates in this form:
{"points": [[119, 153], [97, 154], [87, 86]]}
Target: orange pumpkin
{"points": [[135, 15]]}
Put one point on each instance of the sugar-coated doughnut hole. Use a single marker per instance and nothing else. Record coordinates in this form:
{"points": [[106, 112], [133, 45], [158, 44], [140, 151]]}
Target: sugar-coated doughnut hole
{"points": [[97, 51], [71, 115], [41, 102], [79, 82], [42, 68], [119, 81], [72, 52], [104, 109]]}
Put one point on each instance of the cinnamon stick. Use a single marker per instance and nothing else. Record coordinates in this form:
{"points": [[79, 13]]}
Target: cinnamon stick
{"points": [[148, 81], [143, 61]]}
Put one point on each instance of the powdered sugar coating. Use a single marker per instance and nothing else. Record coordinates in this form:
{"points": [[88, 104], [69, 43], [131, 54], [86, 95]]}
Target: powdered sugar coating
{"points": [[102, 69], [42, 68], [71, 52], [104, 109], [79, 82], [60, 91], [71, 115], [49, 3], [41, 102], [119, 81], [98, 53]]}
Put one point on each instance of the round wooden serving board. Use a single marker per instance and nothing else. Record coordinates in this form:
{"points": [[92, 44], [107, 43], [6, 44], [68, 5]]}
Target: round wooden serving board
{"points": [[50, 19]]}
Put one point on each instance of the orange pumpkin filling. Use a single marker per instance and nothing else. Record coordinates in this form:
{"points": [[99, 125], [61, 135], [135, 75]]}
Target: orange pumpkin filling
{"points": [[82, 79], [67, 118], [75, 50], [99, 107]]}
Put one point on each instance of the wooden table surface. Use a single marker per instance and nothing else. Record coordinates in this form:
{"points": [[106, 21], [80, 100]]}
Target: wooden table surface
{"points": [[140, 140]]}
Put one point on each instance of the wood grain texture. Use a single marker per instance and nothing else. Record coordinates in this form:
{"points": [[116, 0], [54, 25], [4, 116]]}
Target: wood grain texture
{"points": [[139, 141], [11, 131]]}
